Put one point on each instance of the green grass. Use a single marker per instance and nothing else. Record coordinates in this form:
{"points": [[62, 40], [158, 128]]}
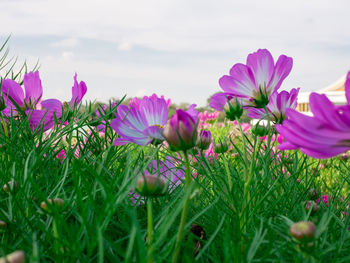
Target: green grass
{"points": [[100, 223]]}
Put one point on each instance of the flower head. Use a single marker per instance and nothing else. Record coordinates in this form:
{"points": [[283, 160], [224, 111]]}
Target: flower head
{"points": [[278, 104], [39, 112], [230, 104], [258, 79], [325, 134], [142, 122]]}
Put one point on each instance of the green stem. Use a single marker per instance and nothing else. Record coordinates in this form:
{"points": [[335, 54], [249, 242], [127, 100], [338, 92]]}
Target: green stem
{"points": [[4, 125], [227, 172], [244, 150], [56, 236], [188, 179], [150, 230]]}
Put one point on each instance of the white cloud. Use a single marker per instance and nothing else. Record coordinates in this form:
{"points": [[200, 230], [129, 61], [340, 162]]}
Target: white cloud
{"points": [[67, 55], [124, 46], [66, 43]]}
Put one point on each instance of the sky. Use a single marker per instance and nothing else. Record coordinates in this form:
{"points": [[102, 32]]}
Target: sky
{"points": [[177, 48]]}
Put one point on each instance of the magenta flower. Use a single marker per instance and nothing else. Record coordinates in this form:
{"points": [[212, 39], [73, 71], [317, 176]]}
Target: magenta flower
{"points": [[78, 92], [181, 131], [29, 101], [324, 135], [256, 81], [142, 123], [279, 102]]}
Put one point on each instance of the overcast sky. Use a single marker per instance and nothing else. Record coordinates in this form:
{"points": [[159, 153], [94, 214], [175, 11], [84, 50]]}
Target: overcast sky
{"points": [[174, 48]]}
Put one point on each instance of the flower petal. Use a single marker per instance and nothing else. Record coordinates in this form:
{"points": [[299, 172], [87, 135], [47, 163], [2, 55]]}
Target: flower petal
{"points": [[282, 69], [262, 65], [12, 89], [78, 91], [33, 88]]}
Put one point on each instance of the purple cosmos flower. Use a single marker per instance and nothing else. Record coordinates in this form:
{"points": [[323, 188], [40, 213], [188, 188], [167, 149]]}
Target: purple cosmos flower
{"points": [[181, 131], [324, 135], [39, 112], [78, 92], [258, 79], [277, 106], [142, 123]]}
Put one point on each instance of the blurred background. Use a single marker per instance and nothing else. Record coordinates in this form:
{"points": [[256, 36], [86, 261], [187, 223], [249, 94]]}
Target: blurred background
{"points": [[178, 48]]}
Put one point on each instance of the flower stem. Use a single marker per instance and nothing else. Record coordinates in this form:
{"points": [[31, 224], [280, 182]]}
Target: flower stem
{"points": [[227, 172], [150, 229], [4, 125], [188, 179]]}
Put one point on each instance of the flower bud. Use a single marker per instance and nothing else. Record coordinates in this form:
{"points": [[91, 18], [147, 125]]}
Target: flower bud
{"points": [[220, 147], [10, 186], [52, 204], [233, 109], [204, 140], [181, 131], [311, 205], [3, 224], [260, 130], [303, 230], [150, 185], [15, 257]]}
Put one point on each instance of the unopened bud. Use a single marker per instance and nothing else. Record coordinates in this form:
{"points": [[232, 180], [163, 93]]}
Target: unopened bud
{"points": [[204, 139], [3, 224], [15, 257], [311, 205], [150, 185], [51, 204], [260, 130], [303, 230], [233, 109], [10, 186], [220, 147]]}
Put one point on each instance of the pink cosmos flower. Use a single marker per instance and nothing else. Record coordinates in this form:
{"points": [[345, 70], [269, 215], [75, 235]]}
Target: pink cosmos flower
{"points": [[324, 135], [142, 122], [256, 81], [279, 102], [39, 112]]}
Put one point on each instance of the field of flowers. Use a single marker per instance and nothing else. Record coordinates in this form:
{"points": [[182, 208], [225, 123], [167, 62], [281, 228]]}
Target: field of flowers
{"points": [[126, 182]]}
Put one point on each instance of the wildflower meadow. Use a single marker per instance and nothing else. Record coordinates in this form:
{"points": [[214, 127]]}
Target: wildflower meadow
{"points": [[135, 180]]}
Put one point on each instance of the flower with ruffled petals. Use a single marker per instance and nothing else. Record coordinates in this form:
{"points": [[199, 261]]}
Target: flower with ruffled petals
{"points": [[279, 102], [142, 123], [258, 79], [39, 112], [324, 135]]}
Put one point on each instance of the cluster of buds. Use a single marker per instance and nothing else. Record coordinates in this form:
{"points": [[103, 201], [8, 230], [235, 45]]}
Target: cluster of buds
{"points": [[10, 186], [50, 205], [311, 205]]}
